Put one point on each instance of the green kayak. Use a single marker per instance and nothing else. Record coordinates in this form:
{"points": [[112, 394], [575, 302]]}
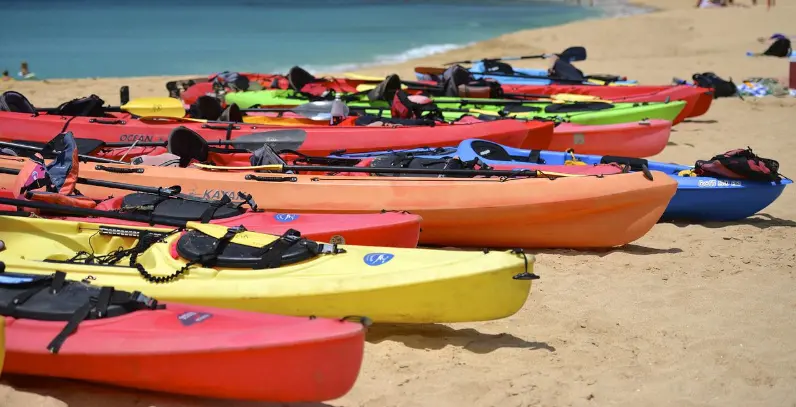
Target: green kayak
{"points": [[591, 113]]}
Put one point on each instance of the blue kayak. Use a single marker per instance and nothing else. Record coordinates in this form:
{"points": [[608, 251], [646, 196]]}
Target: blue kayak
{"points": [[698, 198], [534, 77]]}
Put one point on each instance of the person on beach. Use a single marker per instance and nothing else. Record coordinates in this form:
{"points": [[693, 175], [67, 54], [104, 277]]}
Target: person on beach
{"points": [[711, 3], [779, 45], [6, 76], [24, 72]]}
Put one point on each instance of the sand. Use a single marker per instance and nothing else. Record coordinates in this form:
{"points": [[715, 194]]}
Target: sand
{"points": [[689, 315]]}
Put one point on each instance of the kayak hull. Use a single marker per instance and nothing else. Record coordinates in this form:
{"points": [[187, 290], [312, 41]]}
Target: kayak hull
{"points": [[637, 139], [198, 351]]}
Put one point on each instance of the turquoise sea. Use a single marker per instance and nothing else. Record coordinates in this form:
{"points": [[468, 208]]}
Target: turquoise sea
{"points": [[94, 38]]}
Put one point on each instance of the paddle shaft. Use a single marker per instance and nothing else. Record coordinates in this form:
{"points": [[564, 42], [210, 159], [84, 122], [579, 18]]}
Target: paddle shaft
{"points": [[419, 171], [115, 185], [80, 156], [77, 211]]}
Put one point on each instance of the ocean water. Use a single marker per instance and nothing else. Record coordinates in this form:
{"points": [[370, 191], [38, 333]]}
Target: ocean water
{"points": [[94, 38]]}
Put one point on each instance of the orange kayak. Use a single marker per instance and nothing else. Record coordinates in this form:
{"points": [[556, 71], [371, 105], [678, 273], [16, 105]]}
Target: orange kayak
{"points": [[569, 212]]}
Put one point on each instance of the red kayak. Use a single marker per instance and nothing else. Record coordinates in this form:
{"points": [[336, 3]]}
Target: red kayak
{"points": [[320, 140], [175, 348]]}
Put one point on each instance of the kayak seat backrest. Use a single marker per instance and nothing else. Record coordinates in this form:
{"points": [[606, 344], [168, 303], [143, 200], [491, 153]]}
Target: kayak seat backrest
{"points": [[206, 107], [491, 65], [188, 145], [490, 151], [11, 101], [386, 89], [288, 249], [297, 78], [178, 208], [577, 107], [566, 71], [231, 114], [369, 119]]}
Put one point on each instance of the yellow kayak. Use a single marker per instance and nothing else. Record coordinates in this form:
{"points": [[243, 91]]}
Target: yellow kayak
{"points": [[294, 277]]}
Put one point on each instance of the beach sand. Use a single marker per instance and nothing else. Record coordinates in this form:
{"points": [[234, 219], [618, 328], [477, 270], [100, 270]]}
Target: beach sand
{"points": [[689, 315]]}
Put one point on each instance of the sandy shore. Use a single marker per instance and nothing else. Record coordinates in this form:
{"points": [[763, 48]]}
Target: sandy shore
{"points": [[689, 315]]}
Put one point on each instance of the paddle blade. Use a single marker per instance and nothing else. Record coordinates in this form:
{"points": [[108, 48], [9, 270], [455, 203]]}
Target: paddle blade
{"points": [[288, 139], [320, 110], [155, 106], [573, 54]]}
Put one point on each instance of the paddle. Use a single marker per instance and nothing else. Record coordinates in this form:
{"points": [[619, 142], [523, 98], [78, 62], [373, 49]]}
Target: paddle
{"points": [[86, 158], [433, 71], [570, 54], [418, 171], [287, 139], [151, 106], [168, 192], [77, 211]]}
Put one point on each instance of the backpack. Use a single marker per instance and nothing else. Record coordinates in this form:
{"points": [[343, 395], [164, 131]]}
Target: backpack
{"points": [[779, 48], [90, 106], [739, 164], [721, 87]]}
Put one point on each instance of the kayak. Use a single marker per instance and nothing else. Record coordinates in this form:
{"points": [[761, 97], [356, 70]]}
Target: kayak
{"points": [[455, 107], [212, 265], [142, 343], [19, 126], [636, 139], [2, 342], [471, 212], [525, 76], [698, 198], [698, 100]]}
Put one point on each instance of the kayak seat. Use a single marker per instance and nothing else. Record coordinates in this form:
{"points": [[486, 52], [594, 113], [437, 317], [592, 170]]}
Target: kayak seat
{"points": [[297, 78], [54, 298], [11, 101], [577, 107], [231, 114], [408, 160], [206, 107], [180, 209], [493, 66], [289, 248], [635, 164]]}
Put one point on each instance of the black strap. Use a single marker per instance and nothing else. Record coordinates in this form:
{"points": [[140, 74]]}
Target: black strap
{"points": [[207, 215], [271, 254], [534, 156], [79, 316], [209, 259]]}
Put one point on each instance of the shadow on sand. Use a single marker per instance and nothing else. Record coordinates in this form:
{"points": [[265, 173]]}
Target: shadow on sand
{"points": [[697, 121], [760, 221], [628, 248], [437, 336], [77, 393]]}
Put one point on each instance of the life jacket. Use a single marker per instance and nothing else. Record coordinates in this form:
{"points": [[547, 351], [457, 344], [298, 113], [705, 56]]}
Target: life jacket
{"points": [[402, 107], [54, 182], [459, 82], [739, 164]]}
